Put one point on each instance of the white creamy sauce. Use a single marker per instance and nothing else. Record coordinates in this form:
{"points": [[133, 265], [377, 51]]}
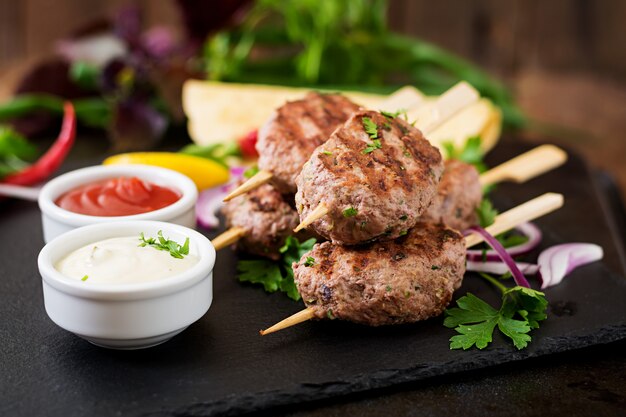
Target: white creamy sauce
{"points": [[121, 260]]}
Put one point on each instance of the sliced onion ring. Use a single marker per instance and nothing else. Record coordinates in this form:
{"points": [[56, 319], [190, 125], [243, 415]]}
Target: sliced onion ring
{"points": [[210, 201], [558, 261], [500, 268], [519, 278], [527, 229]]}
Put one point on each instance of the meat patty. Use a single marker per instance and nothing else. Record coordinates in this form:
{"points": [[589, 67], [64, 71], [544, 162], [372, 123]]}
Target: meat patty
{"points": [[400, 281], [375, 184], [267, 218], [458, 196], [287, 140]]}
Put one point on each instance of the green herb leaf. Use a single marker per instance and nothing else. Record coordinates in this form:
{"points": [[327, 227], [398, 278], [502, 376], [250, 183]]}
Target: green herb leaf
{"points": [[470, 153], [371, 128], [486, 213], [522, 309], [278, 275], [371, 148], [350, 212], [176, 250], [251, 172], [217, 152]]}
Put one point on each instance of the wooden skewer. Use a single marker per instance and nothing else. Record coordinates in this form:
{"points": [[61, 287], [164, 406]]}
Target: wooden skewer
{"points": [[519, 169], [526, 166], [431, 116], [405, 98], [228, 237], [523, 213], [255, 181], [299, 317], [320, 211]]}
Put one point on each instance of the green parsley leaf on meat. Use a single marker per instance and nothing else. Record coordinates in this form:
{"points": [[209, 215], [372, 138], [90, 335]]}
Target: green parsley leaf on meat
{"points": [[350, 212], [371, 128], [371, 148]]}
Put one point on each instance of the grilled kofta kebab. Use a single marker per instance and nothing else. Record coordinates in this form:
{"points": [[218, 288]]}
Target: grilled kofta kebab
{"points": [[259, 222], [405, 280], [374, 177], [458, 196], [400, 281], [296, 128]]}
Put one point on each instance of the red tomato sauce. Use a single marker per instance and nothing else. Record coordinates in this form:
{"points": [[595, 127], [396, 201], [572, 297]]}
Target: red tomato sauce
{"points": [[121, 196]]}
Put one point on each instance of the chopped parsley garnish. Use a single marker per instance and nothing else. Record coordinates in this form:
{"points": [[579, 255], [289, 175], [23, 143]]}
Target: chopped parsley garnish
{"points": [[521, 311], [350, 212], [160, 243], [371, 148], [326, 152], [486, 213], [84, 278], [470, 153], [277, 275], [251, 172], [371, 128], [310, 261]]}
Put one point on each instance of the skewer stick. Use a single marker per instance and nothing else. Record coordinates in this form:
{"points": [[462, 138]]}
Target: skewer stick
{"points": [[526, 166], [300, 317], [405, 98], [255, 181], [228, 237], [523, 213], [320, 211], [429, 117]]}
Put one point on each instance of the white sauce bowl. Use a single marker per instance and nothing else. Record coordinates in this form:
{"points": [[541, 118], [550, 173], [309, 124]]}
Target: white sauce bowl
{"points": [[57, 221], [134, 315]]}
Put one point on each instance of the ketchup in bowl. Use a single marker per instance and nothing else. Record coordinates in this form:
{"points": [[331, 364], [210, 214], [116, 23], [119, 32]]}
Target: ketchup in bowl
{"points": [[122, 196]]}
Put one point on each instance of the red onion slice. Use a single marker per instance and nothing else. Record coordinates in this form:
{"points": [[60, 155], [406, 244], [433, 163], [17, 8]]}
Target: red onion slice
{"points": [[211, 200], [499, 268], [527, 229], [519, 278], [558, 261]]}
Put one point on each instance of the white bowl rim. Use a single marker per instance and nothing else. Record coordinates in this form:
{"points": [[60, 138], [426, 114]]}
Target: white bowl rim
{"points": [[136, 291], [70, 180]]}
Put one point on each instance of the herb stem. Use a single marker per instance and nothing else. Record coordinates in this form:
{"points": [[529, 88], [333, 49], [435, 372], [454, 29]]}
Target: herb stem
{"points": [[493, 281]]}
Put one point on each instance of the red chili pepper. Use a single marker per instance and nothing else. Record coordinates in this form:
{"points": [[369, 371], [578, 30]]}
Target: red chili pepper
{"points": [[53, 158], [248, 144]]}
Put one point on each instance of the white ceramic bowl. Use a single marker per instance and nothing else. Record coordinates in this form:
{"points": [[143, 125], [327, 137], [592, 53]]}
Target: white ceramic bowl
{"points": [[127, 316], [57, 221]]}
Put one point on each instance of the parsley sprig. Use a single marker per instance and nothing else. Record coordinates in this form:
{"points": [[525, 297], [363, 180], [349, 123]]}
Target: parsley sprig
{"points": [[371, 128], [278, 275], [521, 311], [160, 243]]}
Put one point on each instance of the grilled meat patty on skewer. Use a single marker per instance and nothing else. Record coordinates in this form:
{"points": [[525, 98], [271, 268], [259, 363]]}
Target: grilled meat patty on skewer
{"points": [[400, 281], [458, 196], [267, 218], [376, 175], [291, 135]]}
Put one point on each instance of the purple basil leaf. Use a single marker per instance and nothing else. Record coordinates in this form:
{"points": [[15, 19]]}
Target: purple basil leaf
{"points": [[136, 126], [202, 17]]}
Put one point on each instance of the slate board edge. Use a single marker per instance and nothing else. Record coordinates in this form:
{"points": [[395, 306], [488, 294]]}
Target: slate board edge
{"points": [[303, 393]]}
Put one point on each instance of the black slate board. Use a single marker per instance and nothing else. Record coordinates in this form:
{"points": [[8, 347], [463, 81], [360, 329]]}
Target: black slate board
{"points": [[221, 366]]}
